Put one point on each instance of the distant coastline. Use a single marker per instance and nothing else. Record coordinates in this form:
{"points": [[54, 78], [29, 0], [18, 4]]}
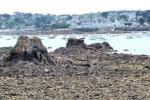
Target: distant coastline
{"points": [[116, 30]]}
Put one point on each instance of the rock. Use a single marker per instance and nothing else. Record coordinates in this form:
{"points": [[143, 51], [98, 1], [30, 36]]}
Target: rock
{"points": [[28, 49], [126, 50], [100, 46], [95, 45], [46, 70], [49, 47], [4, 50], [106, 46], [75, 42]]}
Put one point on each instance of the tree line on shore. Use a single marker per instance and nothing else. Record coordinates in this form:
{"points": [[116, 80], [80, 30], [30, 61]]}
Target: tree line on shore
{"points": [[28, 20], [20, 20]]}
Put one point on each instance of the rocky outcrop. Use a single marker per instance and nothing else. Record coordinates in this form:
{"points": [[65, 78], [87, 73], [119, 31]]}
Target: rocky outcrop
{"points": [[72, 42], [28, 49], [106, 46], [30, 58], [100, 46], [75, 42], [78, 47]]}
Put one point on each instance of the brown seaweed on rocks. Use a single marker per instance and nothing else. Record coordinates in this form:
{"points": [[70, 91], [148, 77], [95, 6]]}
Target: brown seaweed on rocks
{"points": [[28, 57], [28, 49]]}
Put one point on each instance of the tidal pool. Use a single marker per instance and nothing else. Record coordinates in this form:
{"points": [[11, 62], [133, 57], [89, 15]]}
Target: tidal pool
{"points": [[133, 43]]}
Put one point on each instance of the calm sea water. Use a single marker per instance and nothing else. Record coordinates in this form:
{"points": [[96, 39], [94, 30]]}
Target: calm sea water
{"points": [[136, 43]]}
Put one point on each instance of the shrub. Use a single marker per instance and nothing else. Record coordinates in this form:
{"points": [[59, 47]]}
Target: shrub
{"points": [[60, 25]]}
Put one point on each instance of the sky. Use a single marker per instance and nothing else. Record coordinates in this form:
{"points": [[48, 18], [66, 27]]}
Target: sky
{"points": [[70, 6]]}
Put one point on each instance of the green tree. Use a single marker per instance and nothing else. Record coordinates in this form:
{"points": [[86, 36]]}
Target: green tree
{"points": [[19, 21], [60, 25], [148, 19], [141, 21], [28, 15], [7, 16], [124, 17], [46, 27], [10, 23], [105, 14]]}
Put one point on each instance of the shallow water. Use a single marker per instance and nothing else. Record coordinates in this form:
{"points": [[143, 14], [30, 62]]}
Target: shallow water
{"points": [[136, 43]]}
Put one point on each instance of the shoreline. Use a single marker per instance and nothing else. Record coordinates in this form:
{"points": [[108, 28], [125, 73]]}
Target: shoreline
{"points": [[62, 31]]}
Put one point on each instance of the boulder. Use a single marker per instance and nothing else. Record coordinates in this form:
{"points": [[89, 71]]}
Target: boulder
{"points": [[75, 42], [28, 49]]}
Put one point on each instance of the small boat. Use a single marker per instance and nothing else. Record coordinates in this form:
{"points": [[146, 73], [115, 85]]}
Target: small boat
{"points": [[8, 39], [82, 38], [49, 47], [64, 38], [93, 37], [52, 37], [129, 37], [102, 39]]}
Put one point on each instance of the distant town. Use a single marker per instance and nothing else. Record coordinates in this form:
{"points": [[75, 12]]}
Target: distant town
{"points": [[20, 20]]}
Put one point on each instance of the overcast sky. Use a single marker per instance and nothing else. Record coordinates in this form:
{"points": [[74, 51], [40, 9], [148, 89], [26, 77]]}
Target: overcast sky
{"points": [[71, 6]]}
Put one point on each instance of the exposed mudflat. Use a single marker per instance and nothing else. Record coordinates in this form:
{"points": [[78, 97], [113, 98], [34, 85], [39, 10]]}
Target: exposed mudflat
{"points": [[81, 73], [100, 87]]}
